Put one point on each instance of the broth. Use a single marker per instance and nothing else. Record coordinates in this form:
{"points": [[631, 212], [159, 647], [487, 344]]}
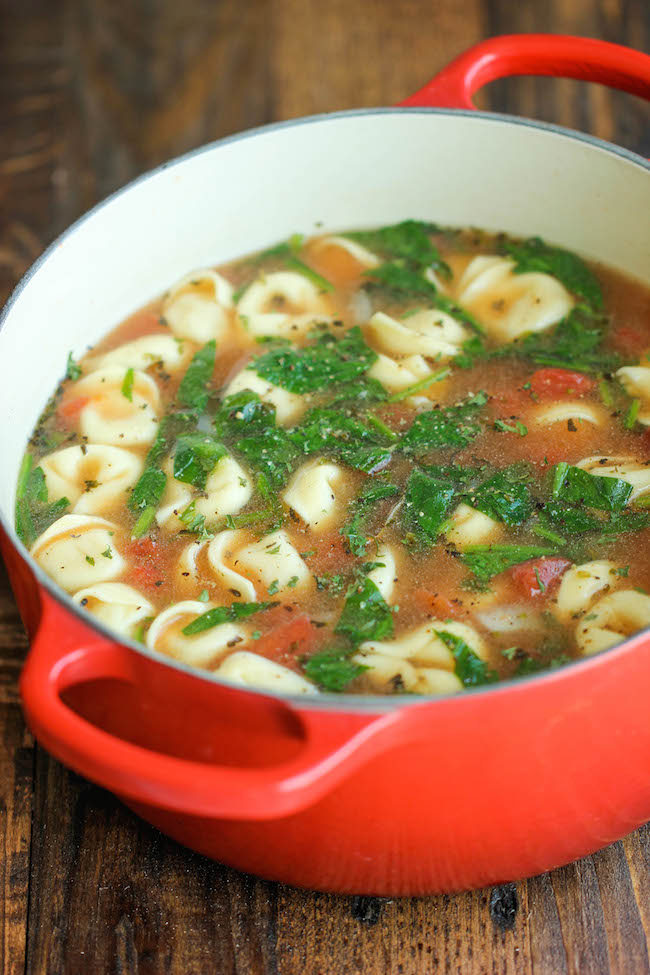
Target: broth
{"points": [[408, 460]]}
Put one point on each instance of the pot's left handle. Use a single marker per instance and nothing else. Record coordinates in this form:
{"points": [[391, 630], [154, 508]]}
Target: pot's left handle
{"points": [[562, 56], [59, 659]]}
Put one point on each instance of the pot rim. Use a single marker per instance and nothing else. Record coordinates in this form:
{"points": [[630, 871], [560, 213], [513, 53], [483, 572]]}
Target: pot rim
{"points": [[325, 701]]}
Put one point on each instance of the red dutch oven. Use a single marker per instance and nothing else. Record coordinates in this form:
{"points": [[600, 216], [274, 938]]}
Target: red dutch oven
{"points": [[348, 794]]}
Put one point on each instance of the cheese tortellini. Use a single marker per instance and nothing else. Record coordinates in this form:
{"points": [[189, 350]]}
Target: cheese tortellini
{"points": [[199, 650], [227, 490], [93, 478], [636, 381], [110, 415], [117, 605], [431, 333], [360, 254], [270, 564], [384, 575], [622, 468], [78, 551], [419, 661], [471, 527], [149, 350], [510, 305], [612, 619], [199, 306], [316, 492], [396, 375], [253, 670], [581, 584], [548, 414], [283, 303], [289, 407]]}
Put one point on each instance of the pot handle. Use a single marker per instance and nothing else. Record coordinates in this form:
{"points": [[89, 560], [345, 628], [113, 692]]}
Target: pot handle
{"points": [[559, 55], [64, 654]]}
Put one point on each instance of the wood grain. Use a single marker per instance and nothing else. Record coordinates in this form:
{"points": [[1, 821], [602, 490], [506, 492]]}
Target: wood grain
{"points": [[93, 92]]}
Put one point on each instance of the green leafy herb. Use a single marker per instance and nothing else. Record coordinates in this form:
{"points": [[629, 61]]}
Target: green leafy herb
{"points": [[366, 615], [107, 553], [144, 522], [72, 371], [426, 504], [332, 669], [148, 491], [535, 255], [34, 514], [632, 413], [575, 485], [470, 669], [249, 427], [575, 343], [435, 377], [354, 530], [194, 522], [450, 426], [486, 561], [194, 388], [328, 362], [127, 385], [505, 496], [516, 427], [223, 614], [295, 264], [196, 456], [335, 432], [409, 241], [90, 560]]}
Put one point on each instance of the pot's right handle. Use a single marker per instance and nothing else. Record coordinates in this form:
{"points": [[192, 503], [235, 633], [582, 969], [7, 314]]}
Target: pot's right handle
{"points": [[559, 55]]}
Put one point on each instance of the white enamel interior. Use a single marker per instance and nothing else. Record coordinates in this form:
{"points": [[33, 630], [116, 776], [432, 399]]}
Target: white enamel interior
{"points": [[350, 170]]}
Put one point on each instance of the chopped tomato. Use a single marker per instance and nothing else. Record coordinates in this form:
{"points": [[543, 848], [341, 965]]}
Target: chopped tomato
{"points": [[509, 404], [150, 563], [329, 553], [549, 383], [292, 639], [434, 602], [630, 341], [70, 407], [538, 577]]}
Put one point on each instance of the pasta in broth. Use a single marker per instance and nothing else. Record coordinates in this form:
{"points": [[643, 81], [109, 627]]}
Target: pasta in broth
{"points": [[405, 460]]}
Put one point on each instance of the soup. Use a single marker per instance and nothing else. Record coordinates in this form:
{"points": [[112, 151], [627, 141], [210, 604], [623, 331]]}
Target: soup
{"points": [[400, 461]]}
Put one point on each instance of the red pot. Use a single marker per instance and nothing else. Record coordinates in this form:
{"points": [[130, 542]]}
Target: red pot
{"points": [[363, 795]]}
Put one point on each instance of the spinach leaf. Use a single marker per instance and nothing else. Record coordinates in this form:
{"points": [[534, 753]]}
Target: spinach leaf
{"points": [[504, 497], [486, 561], [366, 615], [371, 494], [170, 427], [335, 432], [403, 282], [223, 614], [534, 255], [33, 513], [148, 491], [328, 362], [426, 504], [249, 427], [567, 518], [575, 343], [468, 666], [409, 241], [449, 426], [196, 456], [332, 669], [575, 485], [194, 388]]}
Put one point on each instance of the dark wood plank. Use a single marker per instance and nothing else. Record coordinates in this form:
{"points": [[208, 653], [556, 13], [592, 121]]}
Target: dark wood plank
{"points": [[93, 92]]}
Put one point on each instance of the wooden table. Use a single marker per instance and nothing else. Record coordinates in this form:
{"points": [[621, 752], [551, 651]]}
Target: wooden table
{"points": [[91, 94]]}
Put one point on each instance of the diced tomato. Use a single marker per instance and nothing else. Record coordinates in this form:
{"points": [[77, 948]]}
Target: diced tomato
{"points": [[70, 407], [511, 403], [289, 640], [549, 383], [149, 568], [630, 341], [330, 552], [435, 603], [538, 577]]}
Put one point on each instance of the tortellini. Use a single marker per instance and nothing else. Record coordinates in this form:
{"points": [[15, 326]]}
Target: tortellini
{"points": [[270, 564], [199, 306], [78, 551], [547, 414], [187, 569], [253, 670], [227, 490], [510, 305], [636, 380], [203, 649], [93, 478], [430, 333], [623, 468], [471, 527], [419, 661], [612, 620], [148, 350], [358, 252], [115, 604], [581, 584], [384, 575], [289, 407], [112, 416], [396, 375], [282, 303], [316, 492]]}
